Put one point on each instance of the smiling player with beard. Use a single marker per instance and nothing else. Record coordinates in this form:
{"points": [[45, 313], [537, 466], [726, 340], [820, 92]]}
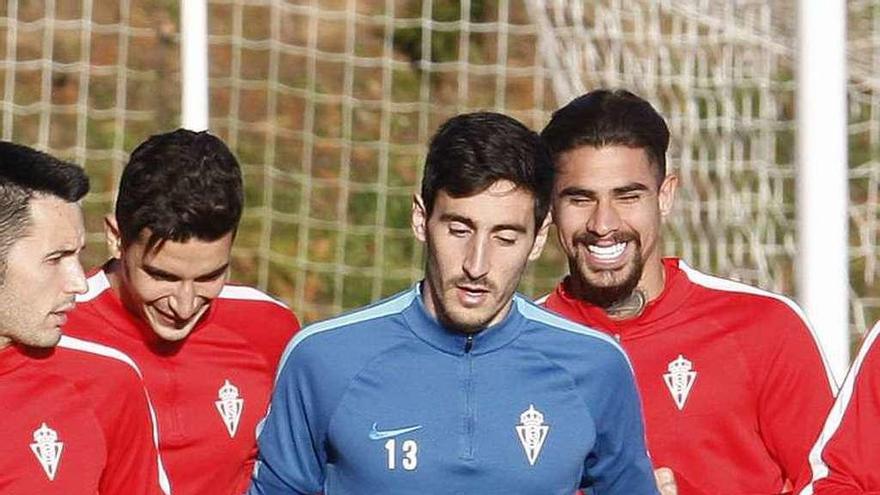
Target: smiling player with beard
{"points": [[734, 384]]}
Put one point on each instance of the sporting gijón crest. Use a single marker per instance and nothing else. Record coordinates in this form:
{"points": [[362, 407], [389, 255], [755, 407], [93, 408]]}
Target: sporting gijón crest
{"points": [[48, 449], [680, 379], [532, 432], [230, 405]]}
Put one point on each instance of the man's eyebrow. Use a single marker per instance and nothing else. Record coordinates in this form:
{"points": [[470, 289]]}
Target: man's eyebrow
{"points": [[632, 187], [577, 191], [152, 270], [582, 191], [510, 226], [63, 252], [452, 217], [215, 273]]}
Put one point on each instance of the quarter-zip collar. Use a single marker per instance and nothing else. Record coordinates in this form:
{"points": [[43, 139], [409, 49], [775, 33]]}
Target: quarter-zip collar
{"points": [[492, 338]]}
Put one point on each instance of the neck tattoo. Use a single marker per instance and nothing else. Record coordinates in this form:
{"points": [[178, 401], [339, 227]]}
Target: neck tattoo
{"points": [[629, 307]]}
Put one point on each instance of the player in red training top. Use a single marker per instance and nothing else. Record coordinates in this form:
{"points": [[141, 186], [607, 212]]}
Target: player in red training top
{"points": [[734, 384], [208, 350], [846, 458], [75, 414]]}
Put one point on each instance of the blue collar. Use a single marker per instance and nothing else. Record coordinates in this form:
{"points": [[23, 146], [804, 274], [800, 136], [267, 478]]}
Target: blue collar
{"points": [[427, 328]]}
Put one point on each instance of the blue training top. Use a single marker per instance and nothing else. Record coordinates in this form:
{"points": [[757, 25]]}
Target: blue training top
{"points": [[384, 400]]}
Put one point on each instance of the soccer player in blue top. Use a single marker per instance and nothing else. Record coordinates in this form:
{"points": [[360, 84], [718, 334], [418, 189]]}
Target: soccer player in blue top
{"points": [[458, 385]]}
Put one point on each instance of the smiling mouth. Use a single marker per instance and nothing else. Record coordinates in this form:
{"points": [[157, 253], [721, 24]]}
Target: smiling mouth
{"points": [[170, 320], [607, 253]]}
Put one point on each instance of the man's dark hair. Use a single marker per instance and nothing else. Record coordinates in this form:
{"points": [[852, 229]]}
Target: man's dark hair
{"points": [[608, 118], [179, 185], [470, 152], [24, 174]]}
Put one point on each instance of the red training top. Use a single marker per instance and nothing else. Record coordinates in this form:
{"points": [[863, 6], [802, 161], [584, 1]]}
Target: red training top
{"points": [[846, 458], [210, 390], [734, 384], [75, 420]]}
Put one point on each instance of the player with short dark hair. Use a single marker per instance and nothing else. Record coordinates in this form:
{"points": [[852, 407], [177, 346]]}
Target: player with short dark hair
{"points": [[75, 417], [725, 370], [459, 385], [180, 185], [464, 164], [208, 349]]}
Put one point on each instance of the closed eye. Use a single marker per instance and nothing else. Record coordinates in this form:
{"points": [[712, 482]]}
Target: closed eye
{"points": [[458, 229], [629, 198]]}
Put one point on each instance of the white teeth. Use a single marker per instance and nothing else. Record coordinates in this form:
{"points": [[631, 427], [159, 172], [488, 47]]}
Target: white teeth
{"points": [[607, 252]]}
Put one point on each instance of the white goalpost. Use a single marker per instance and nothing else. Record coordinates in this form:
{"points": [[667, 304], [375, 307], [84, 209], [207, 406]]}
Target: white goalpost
{"points": [[194, 64], [822, 202]]}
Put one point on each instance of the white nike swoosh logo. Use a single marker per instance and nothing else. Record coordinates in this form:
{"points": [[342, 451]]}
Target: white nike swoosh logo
{"points": [[377, 434]]}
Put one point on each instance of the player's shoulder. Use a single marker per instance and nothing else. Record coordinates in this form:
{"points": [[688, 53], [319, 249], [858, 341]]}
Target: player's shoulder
{"points": [[359, 324], [255, 314], [98, 285], [740, 296], [869, 343], [554, 334], [867, 361], [237, 295], [85, 361]]}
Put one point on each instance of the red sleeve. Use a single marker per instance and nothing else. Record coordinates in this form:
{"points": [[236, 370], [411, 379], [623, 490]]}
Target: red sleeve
{"points": [[846, 458], [286, 326], [132, 462], [268, 326], [795, 394]]}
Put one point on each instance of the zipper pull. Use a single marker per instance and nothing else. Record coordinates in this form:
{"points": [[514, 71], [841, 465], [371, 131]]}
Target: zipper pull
{"points": [[469, 343]]}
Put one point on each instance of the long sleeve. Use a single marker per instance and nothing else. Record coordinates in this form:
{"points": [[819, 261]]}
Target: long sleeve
{"points": [[291, 450], [844, 461], [619, 462], [132, 461], [796, 393]]}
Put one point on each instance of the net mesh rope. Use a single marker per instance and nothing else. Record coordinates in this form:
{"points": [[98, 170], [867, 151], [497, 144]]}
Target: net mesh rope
{"points": [[721, 73], [329, 104], [84, 80], [341, 99]]}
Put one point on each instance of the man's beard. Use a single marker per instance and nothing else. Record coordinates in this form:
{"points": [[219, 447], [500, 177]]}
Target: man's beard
{"points": [[605, 296], [460, 322]]}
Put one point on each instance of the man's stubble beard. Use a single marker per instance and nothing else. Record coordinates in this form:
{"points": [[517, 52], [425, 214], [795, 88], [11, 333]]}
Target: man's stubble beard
{"points": [[608, 296]]}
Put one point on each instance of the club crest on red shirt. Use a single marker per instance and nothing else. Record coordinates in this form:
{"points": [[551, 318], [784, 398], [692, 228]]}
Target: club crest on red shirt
{"points": [[229, 405], [48, 449], [680, 380]]}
